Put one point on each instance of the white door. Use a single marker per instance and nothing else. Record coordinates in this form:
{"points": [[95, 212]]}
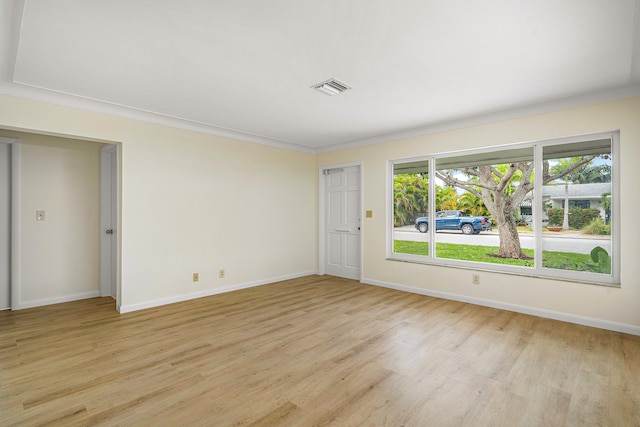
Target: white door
{"points": [[342, 222], [5, 225], [108, 221]]}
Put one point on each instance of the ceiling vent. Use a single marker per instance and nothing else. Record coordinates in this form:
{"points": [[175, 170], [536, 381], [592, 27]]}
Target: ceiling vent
{"points": [[332, 87]]}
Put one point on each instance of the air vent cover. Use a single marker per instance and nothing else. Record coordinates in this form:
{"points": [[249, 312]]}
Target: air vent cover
{"points": [[332, 87]]}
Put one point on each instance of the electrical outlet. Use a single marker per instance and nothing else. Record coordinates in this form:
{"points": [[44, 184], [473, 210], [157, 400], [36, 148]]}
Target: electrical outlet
{"points": [[221, 273], [475, 279], [196, 277]]}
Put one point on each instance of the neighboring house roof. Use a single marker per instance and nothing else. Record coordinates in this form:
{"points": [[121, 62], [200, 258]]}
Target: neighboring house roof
{"points": [[577, 191]]}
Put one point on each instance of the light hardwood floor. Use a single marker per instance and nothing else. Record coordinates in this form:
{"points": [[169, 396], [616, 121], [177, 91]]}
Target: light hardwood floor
{"points": [[312, 351]]}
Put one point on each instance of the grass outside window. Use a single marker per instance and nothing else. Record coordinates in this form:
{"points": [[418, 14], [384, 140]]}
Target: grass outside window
{"points": [[551, 259]]}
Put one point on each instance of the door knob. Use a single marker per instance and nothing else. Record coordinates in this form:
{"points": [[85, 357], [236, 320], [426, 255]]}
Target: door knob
{"points": [[110, 231]]}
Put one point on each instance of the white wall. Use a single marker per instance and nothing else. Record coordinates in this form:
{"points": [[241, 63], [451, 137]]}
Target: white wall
{"points": [[192, 202], [573, 301], [59, 257]]}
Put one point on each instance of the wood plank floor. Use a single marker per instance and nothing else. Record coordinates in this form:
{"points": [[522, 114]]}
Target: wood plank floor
{"points": [[312, 351]]}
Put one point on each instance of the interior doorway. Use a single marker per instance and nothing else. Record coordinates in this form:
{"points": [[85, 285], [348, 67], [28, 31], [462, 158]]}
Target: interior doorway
{"points": [[58, 210]]}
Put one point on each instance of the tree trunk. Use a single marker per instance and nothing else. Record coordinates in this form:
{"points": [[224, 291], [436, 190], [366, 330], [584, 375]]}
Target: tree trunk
{"points": [[510, 242], [509, 238]]}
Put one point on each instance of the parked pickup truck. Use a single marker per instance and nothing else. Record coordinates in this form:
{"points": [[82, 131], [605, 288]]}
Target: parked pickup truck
{"points": [[455, 220]]}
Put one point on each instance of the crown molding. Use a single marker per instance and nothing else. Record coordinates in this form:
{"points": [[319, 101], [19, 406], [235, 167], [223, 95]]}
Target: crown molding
{"points": [[614, 94], [102, 107], [35, 93]]}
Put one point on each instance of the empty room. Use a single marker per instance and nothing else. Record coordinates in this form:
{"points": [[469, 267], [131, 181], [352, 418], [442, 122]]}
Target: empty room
{"points": [[295, 213]]}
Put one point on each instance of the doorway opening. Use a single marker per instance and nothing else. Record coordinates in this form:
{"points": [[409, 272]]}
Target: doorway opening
{"points": [[55, 208]]}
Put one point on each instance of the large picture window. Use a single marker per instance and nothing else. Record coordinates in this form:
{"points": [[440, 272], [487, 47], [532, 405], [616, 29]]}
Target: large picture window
{"points": [[546, 209]]}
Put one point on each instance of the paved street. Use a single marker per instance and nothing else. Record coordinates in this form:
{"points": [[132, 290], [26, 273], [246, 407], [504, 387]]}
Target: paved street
{"points": [[569, 242]]}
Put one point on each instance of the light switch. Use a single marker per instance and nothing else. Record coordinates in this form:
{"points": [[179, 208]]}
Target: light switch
{"points": [[369, 214], [40, 215]]}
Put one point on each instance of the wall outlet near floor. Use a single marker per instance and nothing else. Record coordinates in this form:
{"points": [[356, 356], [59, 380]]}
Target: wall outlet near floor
{"points": [[475, 278], [221, 273], [196, 277]]}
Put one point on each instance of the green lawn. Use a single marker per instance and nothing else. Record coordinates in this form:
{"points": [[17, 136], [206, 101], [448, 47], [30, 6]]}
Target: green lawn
{"points": [[559, 260]]}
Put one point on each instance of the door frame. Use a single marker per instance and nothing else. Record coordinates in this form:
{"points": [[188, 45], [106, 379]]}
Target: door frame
{"points": [[322, 217], [108, 184], [14, 195]]}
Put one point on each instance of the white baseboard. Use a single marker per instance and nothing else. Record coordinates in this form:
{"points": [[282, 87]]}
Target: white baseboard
{"points": [[208, 292], [555, 315], [56, 300]]}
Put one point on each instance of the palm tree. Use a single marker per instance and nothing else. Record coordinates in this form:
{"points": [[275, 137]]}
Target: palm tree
{"points": [[592, 174], [403, 204], [605, 199], [421, 194], [472, 205], [410, 197], [446, 198], [588, 173]]}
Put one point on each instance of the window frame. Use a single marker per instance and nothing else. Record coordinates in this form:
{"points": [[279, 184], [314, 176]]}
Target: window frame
{"points": [[537, 270]]}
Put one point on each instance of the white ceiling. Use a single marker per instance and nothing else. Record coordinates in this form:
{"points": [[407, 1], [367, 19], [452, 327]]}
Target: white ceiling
{"points": [[243, 68]]}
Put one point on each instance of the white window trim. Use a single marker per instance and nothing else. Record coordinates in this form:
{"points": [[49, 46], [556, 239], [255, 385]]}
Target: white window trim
{"points": [[537, 270]]}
